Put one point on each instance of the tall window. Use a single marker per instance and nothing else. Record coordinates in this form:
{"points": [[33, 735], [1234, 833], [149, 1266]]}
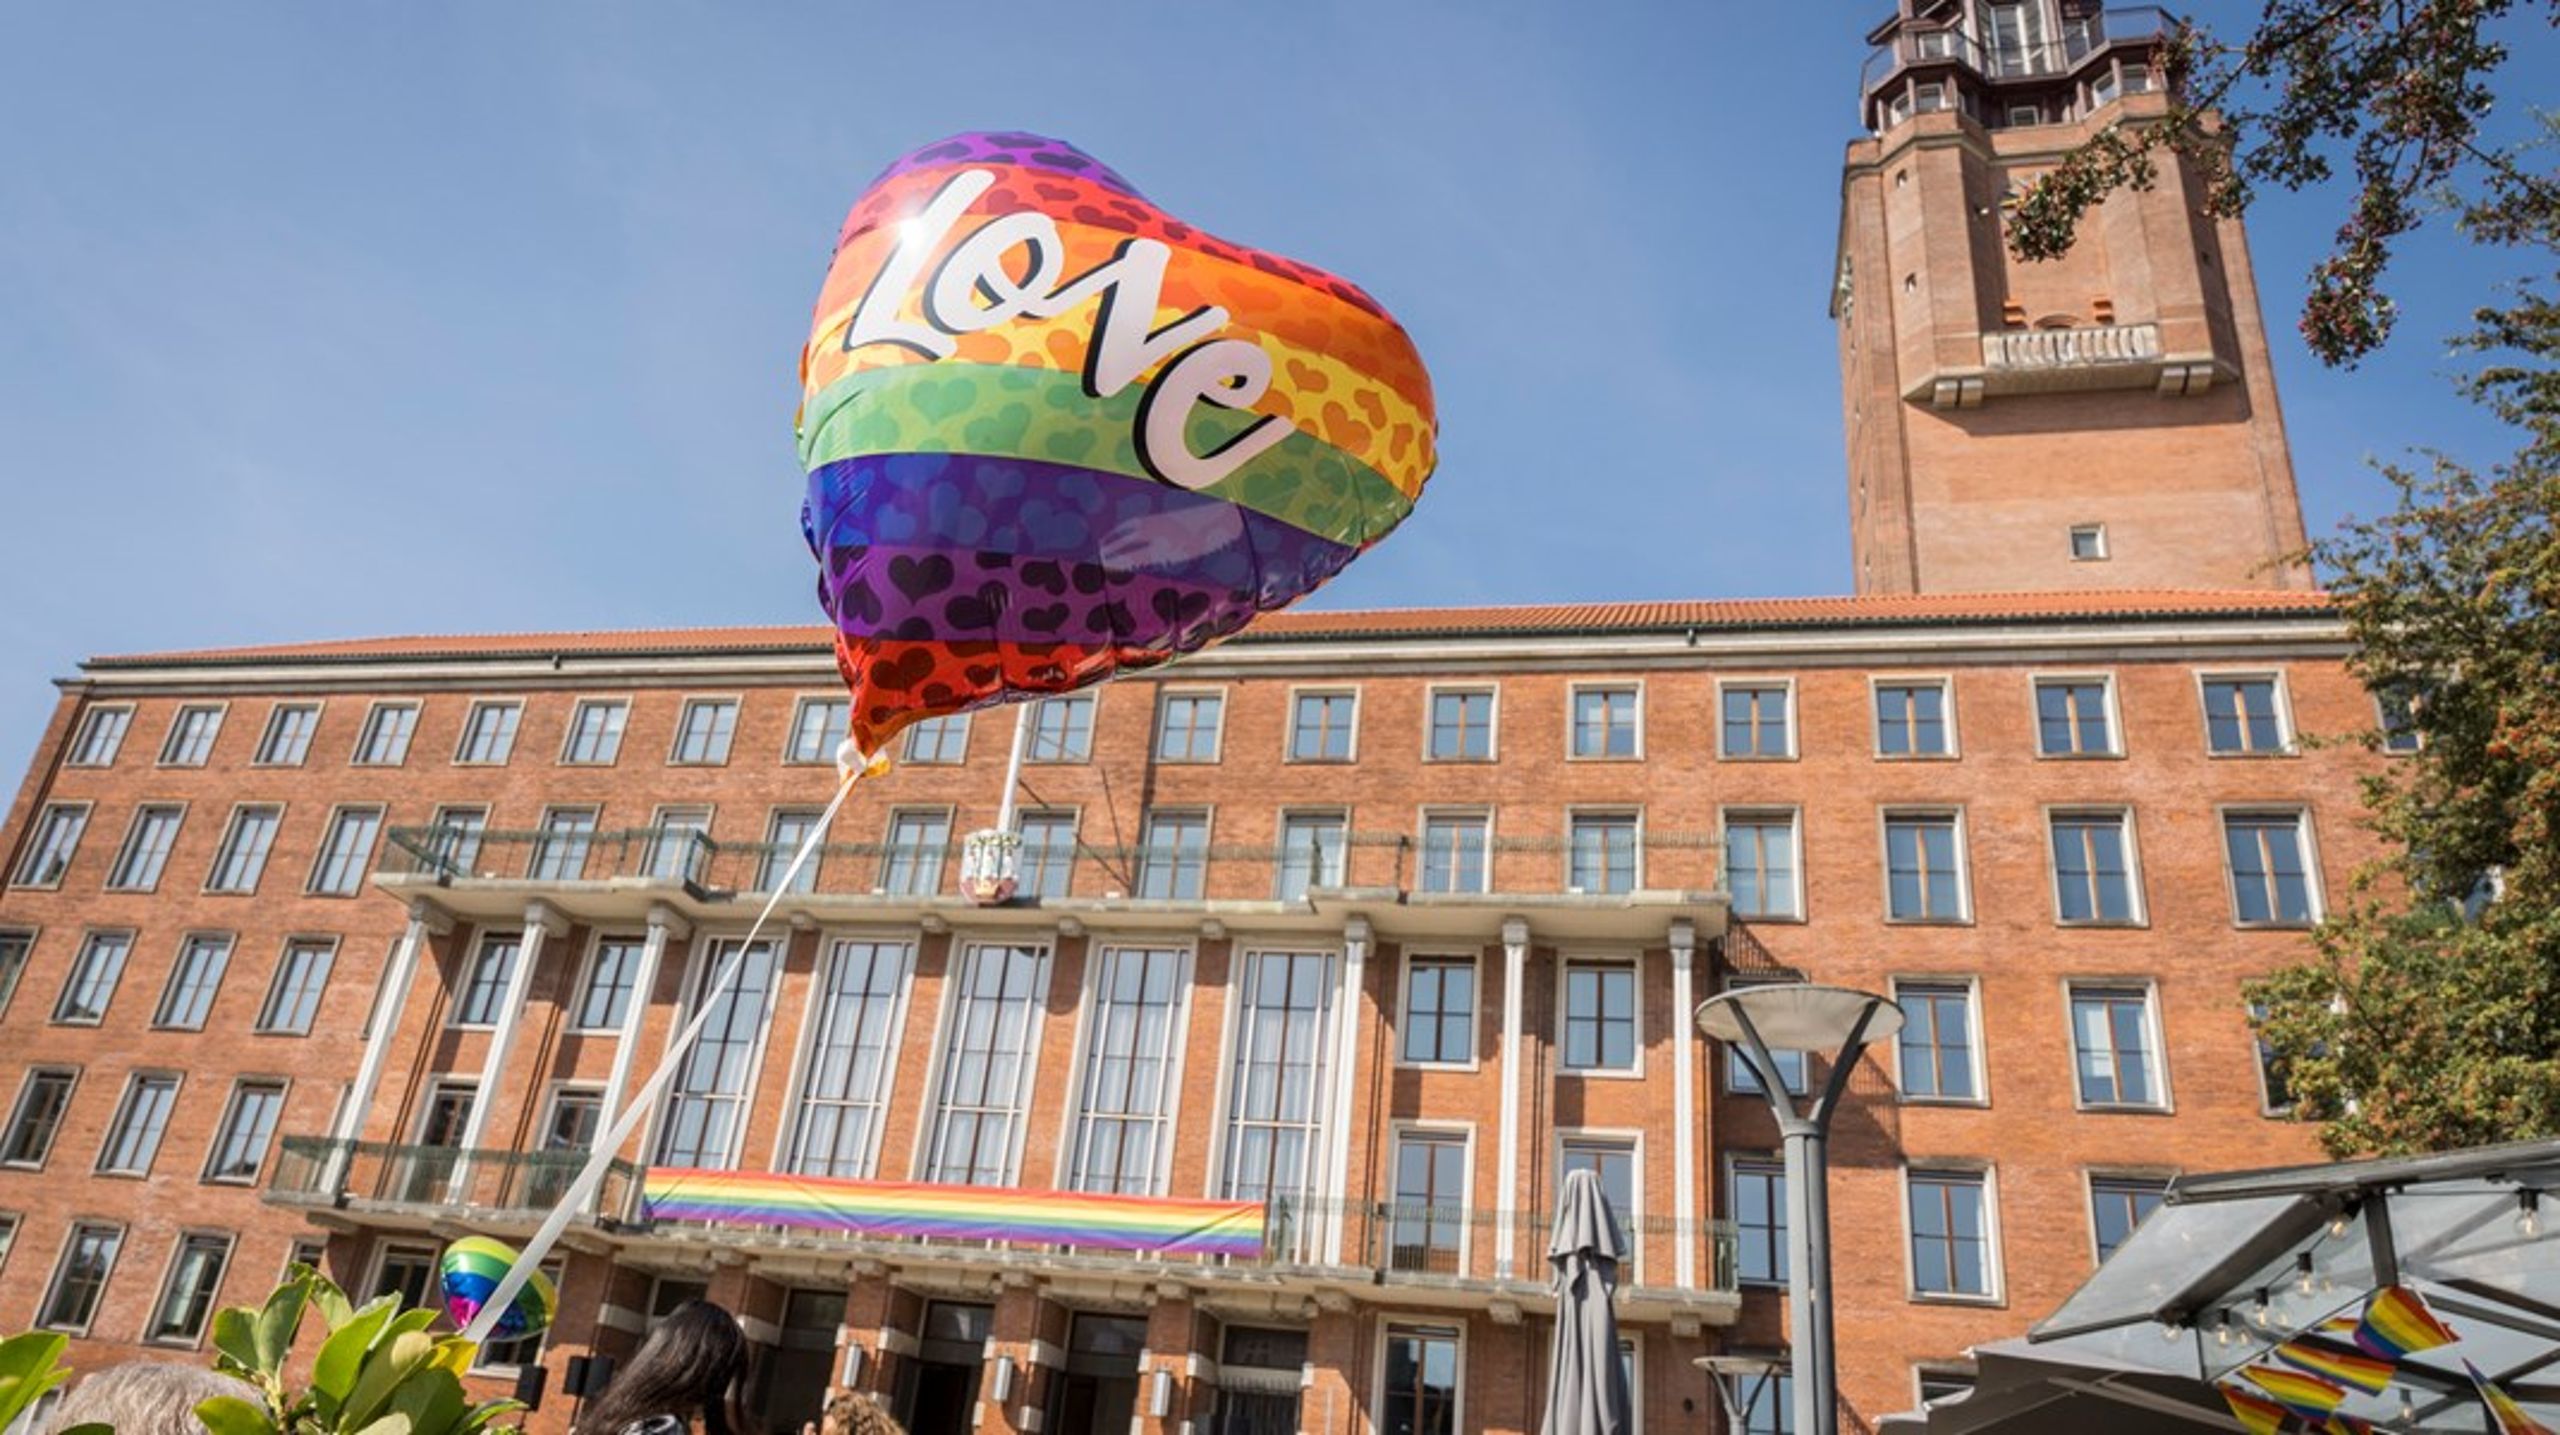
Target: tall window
{"points": [[1122, 1137], [1911, 719], [384, 742], [939, 740], [1461, 726], [2092, 867], [248, 1125], [1599, 1016], [2113, 1047], [1756, 721], [1062, 729], [1612, 1161], [344, 852], [835, 1129], [2396, 715], [1769, 1405], [81, 1277], [784, 833], [146, 847], [33, 1122], [191, 735], [1760, 1219], [1428, 1223], [912, 865], [58, 831], [1173, 855], [193, 980], [1048, 858], [484, 991], [1312, 852], [92, 983], [1439, 1025], [2243, 715], [1420, 1386], [1277, 1090], [489, 733], [287, 740], [560, 853], [1605, 722], [818, 725], [408, 1272], [195, 1278], [1187, 726], [242, 858], [604, 1001], [1456, 852], [1937, 1041], [142, 1117], [1760, 864], [455, 842], [1923, 881], [2269, 854], [704, 729], [1950, 1233], [1601, 852], [676, 842], [986, 1064], [2117, 1204], [101, 736], [1320, 726], [302, 975], [14, 947], [595, 731], [2013, 37], [2071, 718], [706, 1107]]}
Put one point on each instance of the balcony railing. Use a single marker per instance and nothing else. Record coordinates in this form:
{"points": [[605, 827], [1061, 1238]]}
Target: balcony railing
{"points": [[2097, 346], [319, 1170], [2081, 36]]}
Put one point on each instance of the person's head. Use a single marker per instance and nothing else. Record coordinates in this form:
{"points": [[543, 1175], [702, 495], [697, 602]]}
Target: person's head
{"points": [[688, 1366], [146, 1397], [850, 1413]]}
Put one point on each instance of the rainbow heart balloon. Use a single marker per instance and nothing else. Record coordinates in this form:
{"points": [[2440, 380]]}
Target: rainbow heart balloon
{"points": [[469, 1271], [1054, 434]]}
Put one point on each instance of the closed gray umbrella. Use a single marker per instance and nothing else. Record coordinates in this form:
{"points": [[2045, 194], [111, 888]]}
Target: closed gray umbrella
{"points": [[1586, 1386]]}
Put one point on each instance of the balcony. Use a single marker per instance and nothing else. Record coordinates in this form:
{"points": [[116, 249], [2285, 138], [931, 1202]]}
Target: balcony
{"points": [[423, 1184], [2082, 37]]}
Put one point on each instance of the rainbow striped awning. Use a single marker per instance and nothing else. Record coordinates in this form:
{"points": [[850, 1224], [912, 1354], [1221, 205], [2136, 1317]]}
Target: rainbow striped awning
{"points": [[955, 1213]]}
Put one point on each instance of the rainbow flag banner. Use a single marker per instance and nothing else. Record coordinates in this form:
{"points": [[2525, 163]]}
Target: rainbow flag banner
{"points": [[2397, 1323], [2257, 1414], [2344, 1364], [2309, 1396], [955, 1213], [2509, 1415]]}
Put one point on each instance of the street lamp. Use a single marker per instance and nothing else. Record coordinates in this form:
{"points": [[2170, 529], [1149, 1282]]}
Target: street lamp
{"points": [[1799, 1016], [1729, 1372]]}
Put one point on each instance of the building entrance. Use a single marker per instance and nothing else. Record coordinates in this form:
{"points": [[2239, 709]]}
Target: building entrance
{"points": [[1260, 1371], [1098, 1391], [938, 1389]]}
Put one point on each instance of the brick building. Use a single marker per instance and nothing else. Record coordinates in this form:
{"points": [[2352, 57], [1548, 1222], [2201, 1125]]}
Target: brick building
{"points": [[1381, 920]]}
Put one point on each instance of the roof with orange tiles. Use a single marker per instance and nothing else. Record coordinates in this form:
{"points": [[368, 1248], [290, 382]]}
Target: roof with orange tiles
{"points": [[1532, 620]]}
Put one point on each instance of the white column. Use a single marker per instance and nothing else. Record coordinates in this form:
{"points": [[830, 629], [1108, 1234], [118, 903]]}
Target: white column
{"points": [[540, 921], [663, 923], [389, 1001], [1506, 1219], [1356, 935], [1684, 1104]]}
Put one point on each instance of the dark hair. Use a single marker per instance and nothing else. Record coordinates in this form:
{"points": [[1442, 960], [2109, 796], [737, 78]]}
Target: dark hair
{"points": [[687, 1367]]}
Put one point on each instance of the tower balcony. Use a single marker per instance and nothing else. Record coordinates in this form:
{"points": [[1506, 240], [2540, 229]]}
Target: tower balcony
{"points": [[2082, 39], [2078, 359]]}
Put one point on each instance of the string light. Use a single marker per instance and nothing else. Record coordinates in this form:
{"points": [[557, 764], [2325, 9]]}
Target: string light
{"points": [[2340, 1221], [2408, 1410], [2260, 1313], [2222, 1331], [2302, 1280], [2171, 1331], [2528, 1213]]}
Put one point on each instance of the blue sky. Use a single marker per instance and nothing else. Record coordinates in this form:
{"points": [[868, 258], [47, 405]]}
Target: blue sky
{"points": [[341, 319]]}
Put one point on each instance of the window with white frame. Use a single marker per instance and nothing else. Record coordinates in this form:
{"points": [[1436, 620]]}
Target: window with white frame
{"points": [[14, 949], [1758, 1200], [2270, 862], [1123, 1136], [2073, 717], [703, 730], [489, 733], [1461, 725], [101, 737], [194, 979], [1607, 720], [2115, 1046], [455, 841], [293, 998], [818, 726], [1938, 1058], [613, 969], [560, 852], [57, 837], [2395, 715], [1911, 718], [1279, 1081], [1187, 726], [1600, 1032], [2093, 868], [1601, 852], [80, 1276], [1420, 1381], [835, 1129], [1047, 862], [186, 1298], [1457, 850], [911, 864], [248, 1128], [146, 847], [938, 741], [91, 985], [1769, 1403], [287, 740], [1173, 855], [191, 735], [1612, 1160], [1062, 729], [241, 860], [676, 837], [1924, 872], [37, 1117], [705, 1111], [484, 991], [1951, 1253], [384, 739], [2244, 715], [2117, 1204], [141, 1119], [1312, 852], [345, 851], [2275, 1069], [1760, 865], [306, 1251], [408, 1272], [2088, 540], [1756, 720], [1427, 1224], [1439, 1024], [786, 831], [988, 1046], [595, 732], [1321, 726]]}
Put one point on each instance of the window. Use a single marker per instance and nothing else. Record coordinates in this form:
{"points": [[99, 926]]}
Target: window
{"points": [[293, 998], [676, 842], [1123, 1136], [704, 729], [595, 731], [2275, 1069], [14, 947], [505, 1355], [2113, 1041], [1312, 852], [346, 851], [818, 726], [146, 848], [2269, 854], [1187, 726], [57, 837], [1321, 726], [1259, 1370], [456, 839], [2396, 714], [1759, 1205], [1606, 722], [1062, 729], [489, 733], [1456, 852], [305, 1251], [912, 865], [193, 980], [2093, 868], [1427, 1224], [191, 735], [248, 1126], [1173, 856], [988, 1048], [2088, 540], [560, 853], [1421, 1381], [1929, 96], [42, 1099], [384, 742], [1439, 1026], [2072, 718], [1599, 1016], [2117, 1204], [408, 1272], [939, 740], [2244, 715], [604, 999], [1738, 1075], [1924, 879], [706, 1106], [1756, 720], [493, 969], [1461, 726], [1911, 719], [287, 740], [1938, 1061], [195, 1278], [1280, 1079], [784, 834], [835, 1129], [1613, 1161], [1950, 1233], [101, 736], [242, 858], [1760, 865], [142, 1117], [1048, 857], [92, 983], [1769, 1405], [1601, 852], [80, 1277]]}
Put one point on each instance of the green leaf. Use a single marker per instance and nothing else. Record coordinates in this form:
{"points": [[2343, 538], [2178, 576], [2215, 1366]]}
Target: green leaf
{"points": [[333, 1373], [231, 1415], [486, 1411], [86, 1427], [30, 1365], [334, 1306], [235, 1335], [391, 1363], [276, 1324], [432, 1400], [387, 1425]]}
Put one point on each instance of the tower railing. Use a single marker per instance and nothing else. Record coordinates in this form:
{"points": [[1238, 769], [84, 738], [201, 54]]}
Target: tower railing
{"points": [[2080, 38]]}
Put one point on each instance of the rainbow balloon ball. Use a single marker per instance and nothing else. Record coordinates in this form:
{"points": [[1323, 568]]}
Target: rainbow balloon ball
{"points": [[470, 1271], [1054, 434]]}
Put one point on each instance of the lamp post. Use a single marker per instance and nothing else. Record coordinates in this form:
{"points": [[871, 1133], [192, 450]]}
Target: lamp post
{"points": [[1729, 1372], [1799, 1016]]}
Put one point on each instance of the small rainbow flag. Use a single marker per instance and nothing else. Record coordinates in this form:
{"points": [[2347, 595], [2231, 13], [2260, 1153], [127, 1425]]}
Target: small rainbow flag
{"points": [[2344, 1364], [2309, 1396], [2398, 1324], [2256, 1414], [2503, 1409], [955, 1213]]}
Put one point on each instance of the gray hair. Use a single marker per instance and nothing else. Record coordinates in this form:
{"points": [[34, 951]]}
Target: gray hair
{"points": [[146, 1397]]}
